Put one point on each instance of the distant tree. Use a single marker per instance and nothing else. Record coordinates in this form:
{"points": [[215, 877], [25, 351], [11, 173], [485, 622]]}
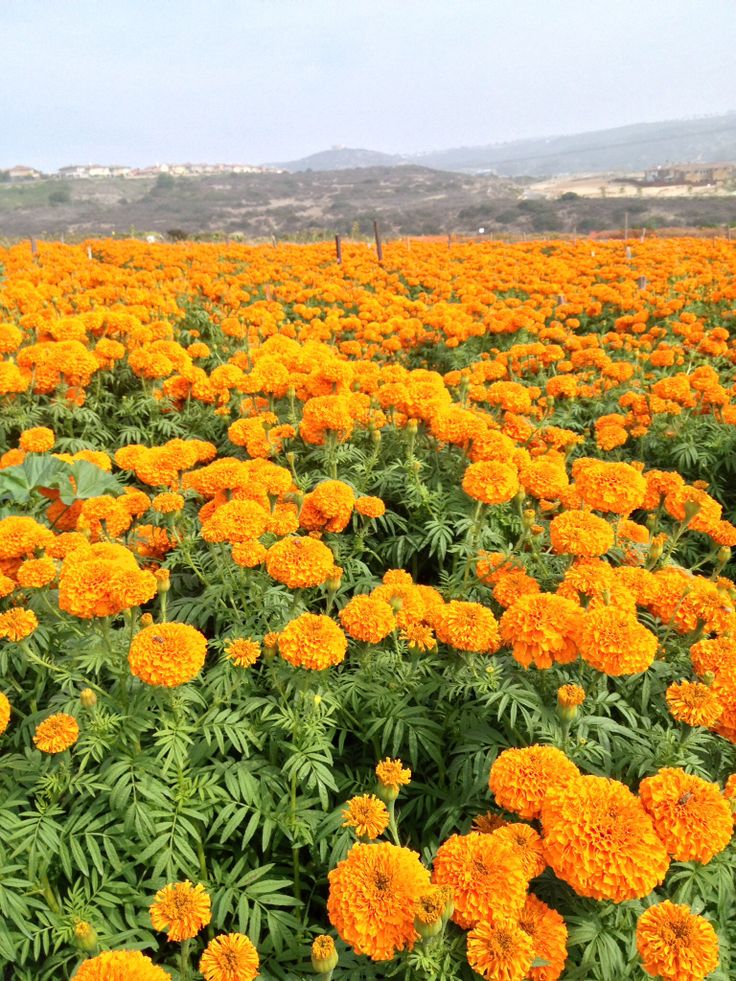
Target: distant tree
{"points": [[164, 182], [177, 234], [60, 195], [4, 176], [568, 196]]}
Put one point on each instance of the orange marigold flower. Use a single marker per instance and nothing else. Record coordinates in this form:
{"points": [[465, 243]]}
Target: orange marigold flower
{"points": [[181, 910], [693, 703], [7, 586], [36, 573], [548, 933], [243, 653], [614, 487], [328, 507], [467, 627], [712, 653], [300, 562], [430, 905], [599, 839], [418, 637], [613, 641], [101, 580], [167, 503], [570, 696], [17, 624], [580, 533], [526, 845], [249, 554], [120, 965], [167, 654], [37, 440], [512, 586], [544, 479], [392, 774], [485, 875], [500, 950], [57, 733], [520, 778], [690, 816], [367, 815], [312, 641], [675, 944], [21, 537], [491, 482], [368, 619], [370, 507], [234, 522], [229, 957], [542, 629], [4, 712], [371, 898]]}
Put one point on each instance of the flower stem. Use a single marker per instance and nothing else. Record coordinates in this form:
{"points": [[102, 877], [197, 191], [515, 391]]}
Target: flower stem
{"points": [[184, 961]]}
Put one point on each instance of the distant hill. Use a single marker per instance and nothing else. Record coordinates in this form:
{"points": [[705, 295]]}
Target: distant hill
{"points": [[342, 158], [313, 205], [635, 147], [624, 148]]}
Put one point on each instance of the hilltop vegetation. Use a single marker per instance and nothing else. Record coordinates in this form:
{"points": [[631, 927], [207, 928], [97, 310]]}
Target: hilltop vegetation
{"points": [[310, 205]]}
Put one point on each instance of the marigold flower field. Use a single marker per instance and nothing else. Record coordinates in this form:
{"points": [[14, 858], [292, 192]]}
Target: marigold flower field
{"points": [[368, 620]]}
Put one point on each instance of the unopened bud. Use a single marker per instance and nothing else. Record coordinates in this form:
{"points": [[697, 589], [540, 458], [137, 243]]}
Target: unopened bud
{"points": [[88, 698], [528, 517], [146, 619], [655, 550], [412, 425], [723, 556], [376, 435], [163, 580], [85, 935], [324, 955], [691, 508], [708, 678], [427, 930], [291, 458]]}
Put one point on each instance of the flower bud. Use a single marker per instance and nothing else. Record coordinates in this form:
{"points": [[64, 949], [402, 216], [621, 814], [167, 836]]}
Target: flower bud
{"points": [[88, 698], [146, 620], [85, 936], [412, 425], [376, 435], [708, 678], [569, 698], [691, 508], [723, 556], [528, 517], [655, 550], [324, 955], [163, 580]]}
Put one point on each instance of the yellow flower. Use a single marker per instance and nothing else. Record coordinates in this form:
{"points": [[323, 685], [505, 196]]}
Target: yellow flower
{"points": [[181, 910]]}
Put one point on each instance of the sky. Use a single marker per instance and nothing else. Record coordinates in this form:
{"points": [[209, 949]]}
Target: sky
{"points": [[139, 82]]}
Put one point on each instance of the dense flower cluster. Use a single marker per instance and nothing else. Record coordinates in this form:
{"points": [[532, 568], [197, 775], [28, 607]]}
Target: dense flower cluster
{"points": [[452, 507]]}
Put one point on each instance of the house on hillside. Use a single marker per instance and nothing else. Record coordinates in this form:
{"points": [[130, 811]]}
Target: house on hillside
{"points": [[696, 174], [21, 173], [73, 172]]}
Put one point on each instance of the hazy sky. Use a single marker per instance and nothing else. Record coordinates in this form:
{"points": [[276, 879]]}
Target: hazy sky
{"points": [[145, 81]]}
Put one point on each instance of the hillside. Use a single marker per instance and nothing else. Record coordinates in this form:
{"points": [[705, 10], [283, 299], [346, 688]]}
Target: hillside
{"points": [[406, 200], [634, 147]]}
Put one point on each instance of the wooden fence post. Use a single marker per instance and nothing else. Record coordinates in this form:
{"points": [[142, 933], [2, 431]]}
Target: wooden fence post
{"points": [[338, 249], [379, 245]]}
